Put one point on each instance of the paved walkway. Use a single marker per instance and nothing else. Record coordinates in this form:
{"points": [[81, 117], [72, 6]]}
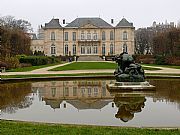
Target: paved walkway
{"points": [[45, 71]]}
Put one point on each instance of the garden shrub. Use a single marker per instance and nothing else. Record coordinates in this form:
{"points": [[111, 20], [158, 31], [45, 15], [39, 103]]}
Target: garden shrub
{"points": [[37, 60], [12, 62], [160, 60]]}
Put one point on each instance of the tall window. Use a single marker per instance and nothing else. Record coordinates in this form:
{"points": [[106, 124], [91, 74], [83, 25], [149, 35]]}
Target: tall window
{"points": [[95, 36], [88, 49], [125, 47], [111, 35], [82, 49], [103, 35], [66, 50], [111, 49], [53, 91], [53, 49], [103, 49], [74, 49], [66, 36], [82, 36], [52, 36], [74, 36], [88, 36], [95, 50], [125, 36]]}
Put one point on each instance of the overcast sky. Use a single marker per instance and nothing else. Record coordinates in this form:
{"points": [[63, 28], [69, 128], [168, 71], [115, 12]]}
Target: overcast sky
{"points": [[141, 12]]}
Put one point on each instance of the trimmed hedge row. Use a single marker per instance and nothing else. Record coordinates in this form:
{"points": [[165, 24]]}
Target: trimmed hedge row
{"points": [[38, 60]]}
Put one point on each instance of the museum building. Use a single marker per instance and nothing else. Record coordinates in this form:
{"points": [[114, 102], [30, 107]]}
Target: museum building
{"points": [[84, 36]]}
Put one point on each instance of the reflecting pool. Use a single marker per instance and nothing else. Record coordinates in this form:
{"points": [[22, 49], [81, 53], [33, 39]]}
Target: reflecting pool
{"points": [[89, 102]]}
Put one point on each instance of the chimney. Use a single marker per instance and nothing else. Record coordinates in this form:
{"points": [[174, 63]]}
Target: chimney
{"points": [[112, 21], [64, 22]]}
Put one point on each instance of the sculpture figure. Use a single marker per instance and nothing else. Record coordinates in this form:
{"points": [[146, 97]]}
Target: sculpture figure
{"points": [[128, 70]]}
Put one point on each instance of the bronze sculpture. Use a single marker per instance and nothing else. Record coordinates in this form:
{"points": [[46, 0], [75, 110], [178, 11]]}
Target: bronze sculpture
{"points": [[128, 70]]}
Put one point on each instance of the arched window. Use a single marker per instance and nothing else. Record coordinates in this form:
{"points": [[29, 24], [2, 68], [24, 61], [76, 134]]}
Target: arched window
{"points": [[74, 49], [125, 47], [111, 49], [111, 35], [103, 49], [103, 35], [125, 35], [52, 36], [53, 49], [66, 50]]}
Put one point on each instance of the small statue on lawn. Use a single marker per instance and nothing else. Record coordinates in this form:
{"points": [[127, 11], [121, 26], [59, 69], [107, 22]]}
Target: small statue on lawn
{"points": [[128, 70]]}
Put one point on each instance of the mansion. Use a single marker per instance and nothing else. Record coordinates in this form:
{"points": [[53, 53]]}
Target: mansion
{"points": [[84, 36]]}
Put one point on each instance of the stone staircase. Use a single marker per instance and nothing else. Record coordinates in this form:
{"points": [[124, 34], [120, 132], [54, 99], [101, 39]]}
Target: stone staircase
{"points": [[89, 58]]}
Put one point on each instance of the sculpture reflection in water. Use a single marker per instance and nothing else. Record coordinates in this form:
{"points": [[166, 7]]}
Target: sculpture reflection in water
{"points": [[128, 106]]}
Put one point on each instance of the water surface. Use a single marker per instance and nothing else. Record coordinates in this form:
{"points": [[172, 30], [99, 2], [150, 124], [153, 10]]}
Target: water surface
{"points": [[89, 102]]}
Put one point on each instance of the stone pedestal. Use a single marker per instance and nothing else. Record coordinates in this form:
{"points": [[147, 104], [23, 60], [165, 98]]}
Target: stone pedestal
{"points": [[130, 86]]}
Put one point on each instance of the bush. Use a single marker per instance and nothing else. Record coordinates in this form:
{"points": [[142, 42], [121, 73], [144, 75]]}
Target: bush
{"points": [[3, 64], [146, 59], [38, 60], [12, 62], [160, 60]]}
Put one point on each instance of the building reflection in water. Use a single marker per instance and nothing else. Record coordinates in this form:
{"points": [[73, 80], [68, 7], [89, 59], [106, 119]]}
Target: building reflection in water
{"points": [[82, 94]]}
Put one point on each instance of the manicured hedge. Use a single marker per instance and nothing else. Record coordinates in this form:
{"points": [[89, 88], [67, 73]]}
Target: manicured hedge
{"points": [[37, 60]]}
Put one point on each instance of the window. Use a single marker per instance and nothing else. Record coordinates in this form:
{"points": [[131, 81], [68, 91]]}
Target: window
{"points": [[74, 91], [125, 47], [103, 35], [103, 49], [88, 36], [111, 49], [88, 49], [74, 49], [66, 91], [66, 49], [125, 35], [95, 92], [82, 49], [82, 36], [53, 49], [52, 36], [95, 36], [111, 35], [66, 36], [74, 36], [53, 91], [95, 51], [89, 91]]}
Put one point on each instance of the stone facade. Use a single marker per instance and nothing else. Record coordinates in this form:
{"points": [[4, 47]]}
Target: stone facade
{"points": [[85, 36]]}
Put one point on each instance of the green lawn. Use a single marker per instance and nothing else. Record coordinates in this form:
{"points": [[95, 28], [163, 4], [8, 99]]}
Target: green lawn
{"points": [[92, 65], [167, 66], [25, 69], [25, 128]]}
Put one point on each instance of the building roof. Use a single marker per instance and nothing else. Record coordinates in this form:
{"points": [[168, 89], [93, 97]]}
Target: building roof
{"points": [[82, 105], [124, 23], [54, 23], [98, 22]]}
